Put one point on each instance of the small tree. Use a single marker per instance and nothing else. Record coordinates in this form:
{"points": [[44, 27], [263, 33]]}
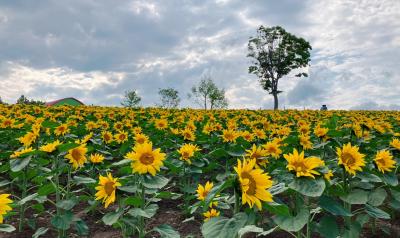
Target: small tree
{"points": [[169, 98], [275, 54], [131, 99], [1, 101], [207, 94], [22, 100]]}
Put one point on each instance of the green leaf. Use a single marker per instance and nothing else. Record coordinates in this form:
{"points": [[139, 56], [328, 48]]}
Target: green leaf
{"points": [[328, 227], [376, 212], [157, 181], [83, 180], [148, 212], [124, 147], [356, 196], [66, 147], [4, 183], [277, 209], [292, 223], [249, 229], [218, 153], [121, 162], [222, 227], [278, 188], [368, 177], [46, 189], [332, 206], [40, 231], [81, 227], [67, 204], [19, 164], [133, 201], [111, 217], [308, 187], [377, 197], [7, 228], [28, 198], [63, 222], [128, 189], [166, 231], [216, 190], [391, 179]]}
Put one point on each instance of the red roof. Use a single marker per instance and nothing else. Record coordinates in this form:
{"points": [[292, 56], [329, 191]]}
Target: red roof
{"points": [[59, 100]]}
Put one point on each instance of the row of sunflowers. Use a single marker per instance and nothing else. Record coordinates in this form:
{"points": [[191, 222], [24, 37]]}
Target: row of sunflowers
{"points": [[240, 172]]}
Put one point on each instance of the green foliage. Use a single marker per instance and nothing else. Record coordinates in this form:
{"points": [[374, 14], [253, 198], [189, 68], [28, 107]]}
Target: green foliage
{"points": [[131, 99], [208, 95], [275, 53], [169, 98]]}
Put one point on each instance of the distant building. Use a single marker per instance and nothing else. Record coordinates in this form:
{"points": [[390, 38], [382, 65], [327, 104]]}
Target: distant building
{"points": [[65, 101]]}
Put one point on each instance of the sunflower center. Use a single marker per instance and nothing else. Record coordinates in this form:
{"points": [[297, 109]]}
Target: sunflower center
{"points": [[76, 155], [109, 187], [300, 167], [185, 154], [140, 140], [271, 149], [122, 137], [252, 185], [348, 159], [146, 158]]}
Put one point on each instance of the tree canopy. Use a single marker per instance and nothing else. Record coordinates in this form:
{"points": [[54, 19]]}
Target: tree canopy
{"points": [[169, 98], [208, 95], [131, 99], [275, 53]]}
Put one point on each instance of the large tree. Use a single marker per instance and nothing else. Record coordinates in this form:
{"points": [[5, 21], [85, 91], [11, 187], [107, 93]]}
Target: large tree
{"points": [[208, 95], [131, 99], [275, 53], [169, 98]]}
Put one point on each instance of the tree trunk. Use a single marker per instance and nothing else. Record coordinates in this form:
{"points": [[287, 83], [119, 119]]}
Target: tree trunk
{"points": [[205, 103], [275, 100]]}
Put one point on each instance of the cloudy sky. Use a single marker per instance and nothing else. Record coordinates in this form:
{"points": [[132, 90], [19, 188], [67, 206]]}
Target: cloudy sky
{"points": [[94, 50]]}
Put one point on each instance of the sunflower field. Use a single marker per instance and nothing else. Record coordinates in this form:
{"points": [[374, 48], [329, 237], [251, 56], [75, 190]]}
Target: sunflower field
{"points": [[152, 172]]}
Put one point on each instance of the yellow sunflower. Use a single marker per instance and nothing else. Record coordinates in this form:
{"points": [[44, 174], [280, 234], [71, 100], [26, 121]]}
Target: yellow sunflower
{"points": [[96, 158], [141, 138], [106, 189], [121, 137], [211, 213], [305, 141], [320, 131], [18, 153], [304, 167], [229, 135], [77, 156], [28, 139], [384, 161], [187, 151], [202, 191], [4, 205], [145, 159], [107, 137], [61, 129], [272, 149], [50, 147], [395, 143], [257, 153], [188, 134], [350, 158], [254, 183]]}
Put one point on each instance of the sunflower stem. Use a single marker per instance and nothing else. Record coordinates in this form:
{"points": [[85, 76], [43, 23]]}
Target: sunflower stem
{"points": [[237, 205], [142, 232], [346, 205], [22, 207]]}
